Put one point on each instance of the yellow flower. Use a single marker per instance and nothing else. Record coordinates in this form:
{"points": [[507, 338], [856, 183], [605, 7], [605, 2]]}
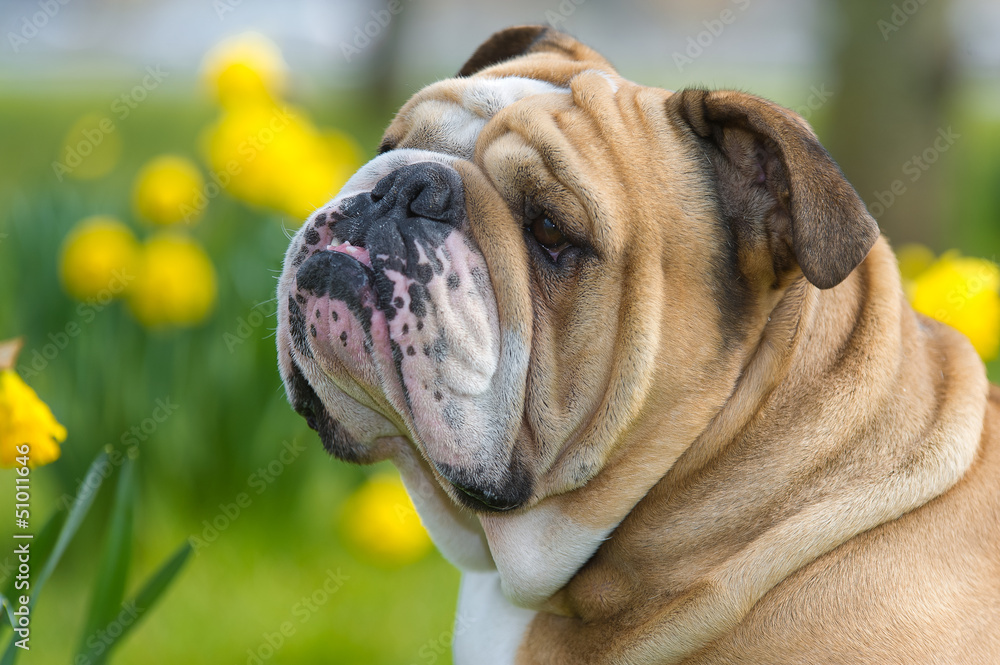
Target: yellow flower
{"points": [[963, 292], [380, 520], [169, 190], [24, 419], [97, 258], [245, 69], [275, 158], [174, 284]]}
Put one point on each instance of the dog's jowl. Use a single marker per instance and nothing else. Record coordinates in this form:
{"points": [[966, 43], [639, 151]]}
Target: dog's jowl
{"points": [[646, 367]]}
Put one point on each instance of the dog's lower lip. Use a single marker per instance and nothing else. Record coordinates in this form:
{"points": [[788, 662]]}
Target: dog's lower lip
{"points": [[480, 501], [359, 254]]}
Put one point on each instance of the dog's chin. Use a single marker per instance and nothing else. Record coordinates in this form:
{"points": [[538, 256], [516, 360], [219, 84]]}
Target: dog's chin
{"points": [[487, 487]]}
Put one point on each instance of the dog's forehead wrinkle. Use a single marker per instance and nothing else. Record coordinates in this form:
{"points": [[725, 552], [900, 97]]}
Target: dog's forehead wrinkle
{"points": [[488, 96], [449, 116]]}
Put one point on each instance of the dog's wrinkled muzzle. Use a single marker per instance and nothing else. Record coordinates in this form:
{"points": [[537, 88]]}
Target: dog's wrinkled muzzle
{"points": [[392, 301]]}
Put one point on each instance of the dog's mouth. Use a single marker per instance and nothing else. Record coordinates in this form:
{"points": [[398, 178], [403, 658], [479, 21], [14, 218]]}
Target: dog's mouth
{"points": [[390, 302], [359, 254]]}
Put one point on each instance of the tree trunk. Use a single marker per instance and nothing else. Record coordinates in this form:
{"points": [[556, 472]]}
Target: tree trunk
{"points": [[888, 125]]}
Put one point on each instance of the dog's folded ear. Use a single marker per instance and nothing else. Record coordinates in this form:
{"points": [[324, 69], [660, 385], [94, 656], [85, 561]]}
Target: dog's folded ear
{"points": [[770, 168], [503, 45], [528, 39]]}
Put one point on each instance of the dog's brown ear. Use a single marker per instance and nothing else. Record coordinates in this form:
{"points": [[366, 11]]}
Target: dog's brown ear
{"points": [[770, 165], [503, 45], [535, 39]]}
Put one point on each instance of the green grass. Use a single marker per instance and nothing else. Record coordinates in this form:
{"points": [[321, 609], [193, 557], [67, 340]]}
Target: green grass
{"points": [[231, 418]]}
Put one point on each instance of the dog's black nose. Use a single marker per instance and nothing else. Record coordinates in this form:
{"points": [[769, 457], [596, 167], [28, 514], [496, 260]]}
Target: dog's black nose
{"points": [[408, 199], [403, 223], [426, 190]]}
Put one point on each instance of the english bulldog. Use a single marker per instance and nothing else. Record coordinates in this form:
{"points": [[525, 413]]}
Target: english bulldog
{"points": [[647, 371]]}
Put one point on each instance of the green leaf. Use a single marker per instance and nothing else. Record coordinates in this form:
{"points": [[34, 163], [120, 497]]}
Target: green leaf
{"points": [[10, 654], [8, 613], [41, 548], [135, 609], [81, 505], [109, 586]]}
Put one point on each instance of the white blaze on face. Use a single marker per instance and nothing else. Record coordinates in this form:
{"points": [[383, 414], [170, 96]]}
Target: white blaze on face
{"points": [[452, 127]]}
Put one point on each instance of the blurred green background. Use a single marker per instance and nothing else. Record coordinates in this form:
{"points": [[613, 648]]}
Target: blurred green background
{"points": [[231, 600]]}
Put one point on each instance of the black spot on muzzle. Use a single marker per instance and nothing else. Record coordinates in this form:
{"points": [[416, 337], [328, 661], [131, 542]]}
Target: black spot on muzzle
{"points": [[340, 277]]}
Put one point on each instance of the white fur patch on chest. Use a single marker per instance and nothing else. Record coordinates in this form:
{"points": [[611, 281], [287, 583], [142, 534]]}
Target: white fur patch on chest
{"points": [[451, 126], [489, 629]]}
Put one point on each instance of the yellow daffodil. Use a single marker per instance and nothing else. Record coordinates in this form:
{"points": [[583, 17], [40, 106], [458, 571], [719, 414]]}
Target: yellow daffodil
{"points": [[963, 292], [245, 69], [380, 521], [175, 283], [24, 418], [169, 190], [98, 258], [274, 157]]}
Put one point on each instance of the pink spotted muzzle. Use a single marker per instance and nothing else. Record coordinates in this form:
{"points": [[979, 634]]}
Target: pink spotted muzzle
{"points": [[392, 304]]}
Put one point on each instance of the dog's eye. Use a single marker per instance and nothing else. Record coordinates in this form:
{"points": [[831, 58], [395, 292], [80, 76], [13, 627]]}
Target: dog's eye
{"points": [[548, 234]]}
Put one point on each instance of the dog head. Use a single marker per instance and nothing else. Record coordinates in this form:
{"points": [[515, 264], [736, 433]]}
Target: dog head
{"points": [[550, 277]]}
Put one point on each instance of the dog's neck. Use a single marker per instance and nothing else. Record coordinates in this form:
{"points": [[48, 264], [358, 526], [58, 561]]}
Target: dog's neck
{"points": [[916, 392]]}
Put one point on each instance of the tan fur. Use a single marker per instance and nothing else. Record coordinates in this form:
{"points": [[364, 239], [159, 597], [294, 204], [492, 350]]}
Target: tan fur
{"points": [[729, 558], [805, 510], [792, 465]]}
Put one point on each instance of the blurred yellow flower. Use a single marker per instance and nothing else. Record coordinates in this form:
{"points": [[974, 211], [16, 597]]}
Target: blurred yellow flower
{"points": [[98, 258], [963, 292], [24, 418], [274, 157], [168, 190], [175, 283], [380, 520], [245, 69]]}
